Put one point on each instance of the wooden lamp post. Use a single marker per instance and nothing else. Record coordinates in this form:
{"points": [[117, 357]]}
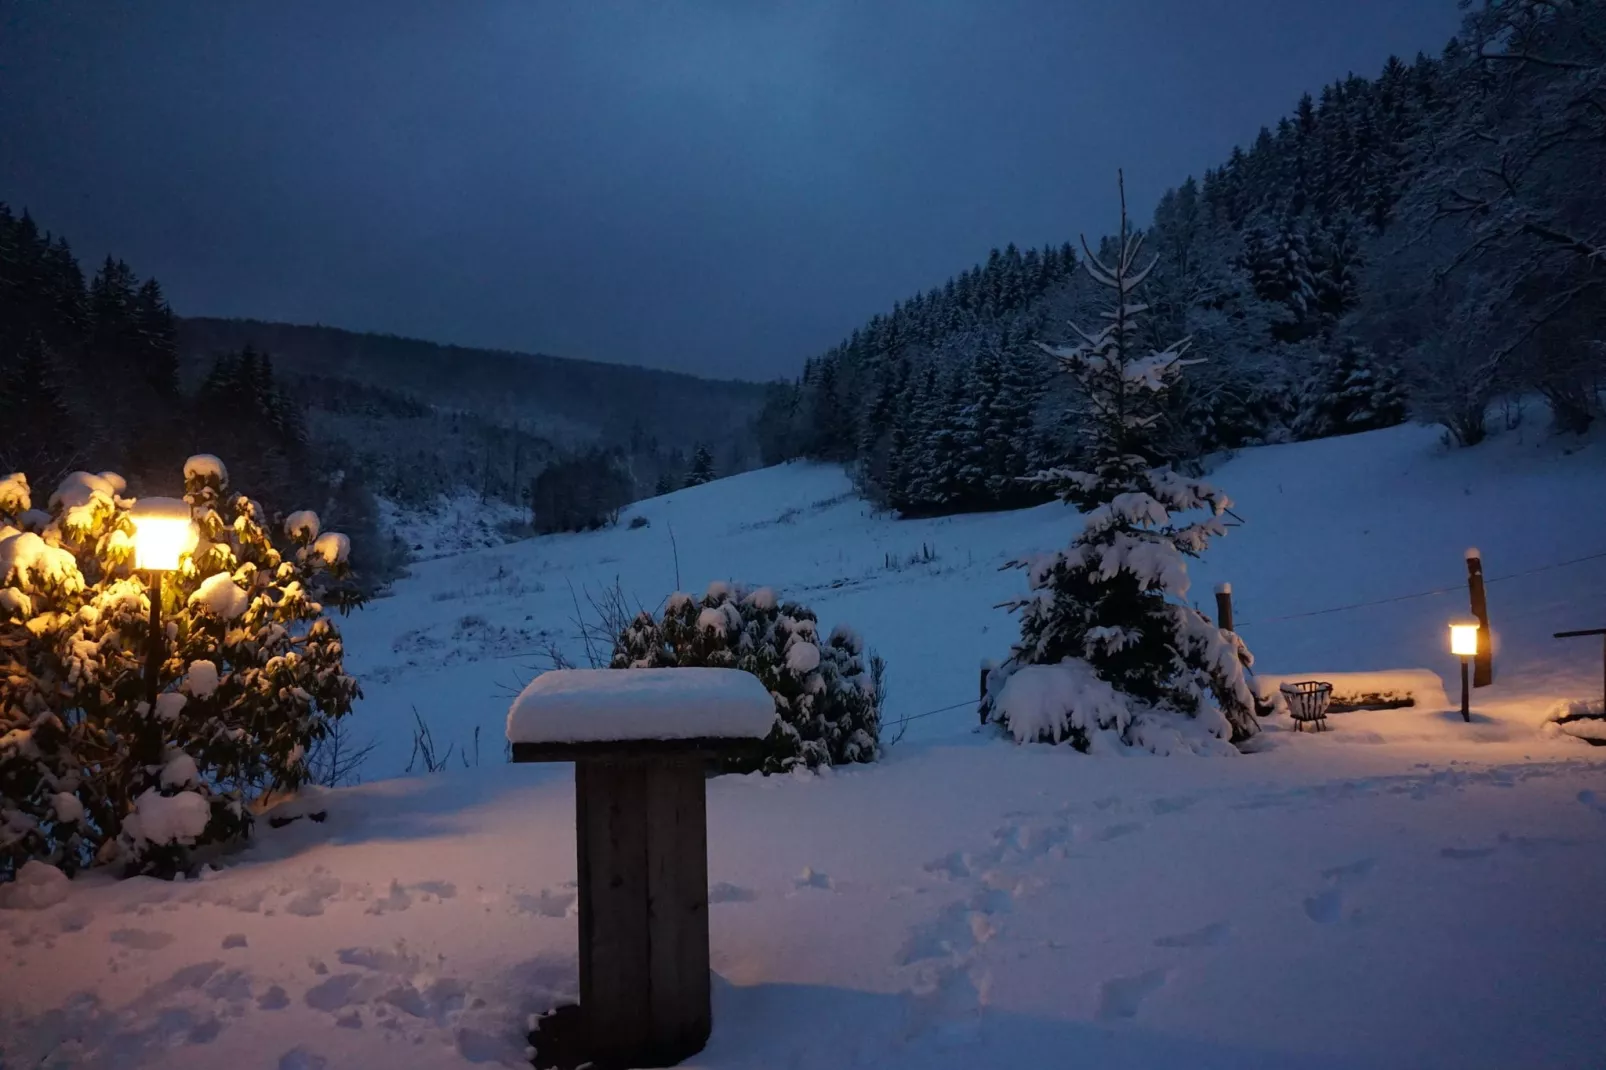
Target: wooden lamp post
{"points": [[640, 741], [1464, 645]]}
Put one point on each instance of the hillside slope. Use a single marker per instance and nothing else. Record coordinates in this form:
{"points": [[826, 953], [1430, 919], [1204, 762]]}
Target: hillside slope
{"points": [[1403, 891], [1326, 524]]}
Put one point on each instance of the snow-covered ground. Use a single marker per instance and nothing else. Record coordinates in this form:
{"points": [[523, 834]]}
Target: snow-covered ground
{"points": [[451, 524], [1405, 890]]}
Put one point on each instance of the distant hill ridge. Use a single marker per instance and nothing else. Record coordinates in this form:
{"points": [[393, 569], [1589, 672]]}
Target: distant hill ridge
{"points": [[566, 398]]}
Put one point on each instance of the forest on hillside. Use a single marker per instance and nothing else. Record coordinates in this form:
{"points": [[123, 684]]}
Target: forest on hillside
{"points": [[1421, 244], [100, 374]]}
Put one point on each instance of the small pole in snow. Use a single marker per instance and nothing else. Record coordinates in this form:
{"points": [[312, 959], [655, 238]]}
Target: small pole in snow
{"points": [[1224, 606], [1483, 675], [981, 698]]}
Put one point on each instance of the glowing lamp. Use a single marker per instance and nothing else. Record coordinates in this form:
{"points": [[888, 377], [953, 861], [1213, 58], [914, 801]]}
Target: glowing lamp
{"points": [[163, 533], [1464, 645]]}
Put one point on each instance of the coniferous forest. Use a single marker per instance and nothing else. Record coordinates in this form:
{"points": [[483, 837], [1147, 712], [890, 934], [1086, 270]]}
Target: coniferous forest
{"points": [[1417, 244]]}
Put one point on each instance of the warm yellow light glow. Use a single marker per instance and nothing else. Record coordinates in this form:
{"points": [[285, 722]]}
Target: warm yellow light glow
{"points": [[163, 532], [1464, 638]]}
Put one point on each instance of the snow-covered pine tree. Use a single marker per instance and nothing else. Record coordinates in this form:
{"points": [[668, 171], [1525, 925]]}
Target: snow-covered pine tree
{"points": [[827, 703], [1350, 390], [1107, 644], [249, 682], [702, 467]]}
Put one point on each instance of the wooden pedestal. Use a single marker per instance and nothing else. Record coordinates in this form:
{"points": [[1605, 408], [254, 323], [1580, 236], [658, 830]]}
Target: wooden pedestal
{"points": [[641, 834], [641, 838]]}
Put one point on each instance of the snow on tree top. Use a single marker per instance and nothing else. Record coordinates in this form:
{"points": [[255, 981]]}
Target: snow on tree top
{"points": [[302, 524], [14, 497], [26, 553], [333, 547], [80, 488], [204, 464], [221, 596], [596, 705]]}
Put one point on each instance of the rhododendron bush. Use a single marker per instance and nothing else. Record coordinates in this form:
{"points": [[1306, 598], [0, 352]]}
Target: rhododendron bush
{"points": [[249, 672]]}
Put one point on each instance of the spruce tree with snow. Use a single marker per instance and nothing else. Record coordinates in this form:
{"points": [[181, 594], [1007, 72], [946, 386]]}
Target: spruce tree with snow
{"points": [[827, 699], [249, 680], [702, 467], [1350, 390], [1108, 647]]}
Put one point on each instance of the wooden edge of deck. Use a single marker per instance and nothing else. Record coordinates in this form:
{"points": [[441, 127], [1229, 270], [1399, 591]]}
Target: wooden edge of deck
{"points": [[637, 749]]}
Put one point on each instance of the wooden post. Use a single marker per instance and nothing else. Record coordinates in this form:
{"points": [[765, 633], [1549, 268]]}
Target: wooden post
{"points": [[641, 840], [1224, 606], [987, 666], [1483, 664]]}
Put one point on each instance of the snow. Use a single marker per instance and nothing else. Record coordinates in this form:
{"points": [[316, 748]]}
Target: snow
{"points": [[965, 902], [221, 596], [302, 524], [159, 819], [1042, 702], [67, 807], [205, 466], [161, 508], [180, 772], [802, 657], [38, 886], [14, 494], [589, 705], [453, 524], [26, 554], [333, 547], [169, 704], [202, 678]]}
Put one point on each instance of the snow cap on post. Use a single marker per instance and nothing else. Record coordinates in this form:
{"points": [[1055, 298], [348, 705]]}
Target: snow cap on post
{"points": [[1473, 554], [618, 705]]}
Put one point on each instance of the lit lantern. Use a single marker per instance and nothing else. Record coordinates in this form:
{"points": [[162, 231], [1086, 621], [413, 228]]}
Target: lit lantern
{"points": [[163, 532], [1464, 639], [1464, 645]]}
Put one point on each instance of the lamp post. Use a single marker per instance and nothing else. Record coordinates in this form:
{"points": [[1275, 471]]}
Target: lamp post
{"points": [[163, 532], [1464, 645]]}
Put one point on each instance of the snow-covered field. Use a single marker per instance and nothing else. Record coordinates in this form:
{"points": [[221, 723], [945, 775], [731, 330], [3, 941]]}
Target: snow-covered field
{"points": [[1406, 890]]}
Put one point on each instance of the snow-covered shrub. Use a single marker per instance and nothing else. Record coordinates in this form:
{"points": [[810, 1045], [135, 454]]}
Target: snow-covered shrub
{"points": [[249, 679], [827, 707], [1110, 641]]}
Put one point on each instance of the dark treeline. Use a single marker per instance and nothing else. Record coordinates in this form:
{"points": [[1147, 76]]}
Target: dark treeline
{"points": [[1416, 244]]}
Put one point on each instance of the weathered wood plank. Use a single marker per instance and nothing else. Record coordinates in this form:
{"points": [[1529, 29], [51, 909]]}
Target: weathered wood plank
{"points": [[616, 988], [677, 885]]}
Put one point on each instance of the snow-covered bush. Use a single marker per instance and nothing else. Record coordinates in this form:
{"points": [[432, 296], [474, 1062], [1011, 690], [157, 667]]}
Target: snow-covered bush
{"points": [[1112, 644], [249, 679], [827, 705]]}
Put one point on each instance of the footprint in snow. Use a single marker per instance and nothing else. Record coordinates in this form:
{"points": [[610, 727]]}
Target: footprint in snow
{"points": [[1593, 801], [1116, 831], [952, 866], [1327, 906], [1462, 853], [299, 1058], [1210, 936], [1173, 805], [548, 904], [142, 939], [1120, 997]]}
